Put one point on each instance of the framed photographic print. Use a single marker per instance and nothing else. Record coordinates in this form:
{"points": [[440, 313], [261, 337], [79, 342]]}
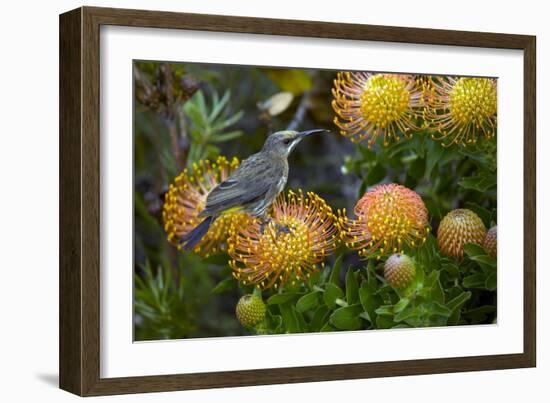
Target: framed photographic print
{"points": [[251, 201]]}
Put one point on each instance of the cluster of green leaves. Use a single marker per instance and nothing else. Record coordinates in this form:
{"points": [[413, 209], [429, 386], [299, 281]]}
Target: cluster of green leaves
{"points": [[160, 307], [445, 177], [444, 292], [208, 125]]}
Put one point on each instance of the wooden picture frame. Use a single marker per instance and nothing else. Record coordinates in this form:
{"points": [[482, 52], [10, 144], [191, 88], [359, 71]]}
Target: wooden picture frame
{"points": [[80, 199]]}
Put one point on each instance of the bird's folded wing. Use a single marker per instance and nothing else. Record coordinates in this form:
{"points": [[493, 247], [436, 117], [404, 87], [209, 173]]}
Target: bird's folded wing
{"points": [[238, 196], [247, 184]]}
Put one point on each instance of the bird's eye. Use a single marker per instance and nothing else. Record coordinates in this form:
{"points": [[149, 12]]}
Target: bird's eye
{"points": [[287, 141]]}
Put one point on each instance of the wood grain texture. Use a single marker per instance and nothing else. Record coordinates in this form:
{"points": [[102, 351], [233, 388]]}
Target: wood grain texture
{"points": [[80, 195], [70, 270], [530, 202]]}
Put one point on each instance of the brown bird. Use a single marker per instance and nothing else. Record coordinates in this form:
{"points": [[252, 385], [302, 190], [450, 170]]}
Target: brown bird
{"points": [[253, 186]]}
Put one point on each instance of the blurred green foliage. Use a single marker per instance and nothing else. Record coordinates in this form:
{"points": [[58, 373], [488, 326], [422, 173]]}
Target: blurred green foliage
{"points": [[181, 295]]}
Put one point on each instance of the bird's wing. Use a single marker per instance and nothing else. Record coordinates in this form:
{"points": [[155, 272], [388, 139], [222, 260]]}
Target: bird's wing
{"points": [[239, 189]]}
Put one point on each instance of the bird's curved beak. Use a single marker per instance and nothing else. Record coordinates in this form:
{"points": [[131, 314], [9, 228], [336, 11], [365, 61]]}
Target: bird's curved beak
{"points": [[310, 132]]}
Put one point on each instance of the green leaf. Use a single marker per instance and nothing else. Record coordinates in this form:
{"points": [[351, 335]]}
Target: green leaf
{"points": [[479, 314], [486, 262], [352, 287], [402, 304], [375, 175], [384, 322], [473, 250], [483, 213], [218, 105], [307, 302], [451, 268], [224, 285], [385, 310], [455, 306], [481, 183], [491, 282], [369, 301], [449, 154], [290, 320], [407, 314], [437, 293], [474, 281], [435, 152], [274, 322], [332, 293], [417, 168], [302, 325], [459, 300], [335, 273], [283, 298], [320, 317], [327, 328], [481, 157], [438, 315], [477, 254], [438, 309], [316, 278], [228, 122], [198, 119], [201, 102], [347, 318], [220, 138]]}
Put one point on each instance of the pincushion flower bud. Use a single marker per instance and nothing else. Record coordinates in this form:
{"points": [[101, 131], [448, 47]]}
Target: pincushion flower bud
{"points": [[399, 271], [490, 242], [459, 227], [250, 310]]}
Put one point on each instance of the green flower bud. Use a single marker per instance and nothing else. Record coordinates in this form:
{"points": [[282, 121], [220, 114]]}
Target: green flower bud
{"points": [[250, 310], [399, 271]]}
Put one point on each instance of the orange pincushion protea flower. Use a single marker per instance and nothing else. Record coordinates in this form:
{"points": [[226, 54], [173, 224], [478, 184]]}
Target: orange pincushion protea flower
{"points": [[186, 198], [388, 218], [371, 105], [459, 227], [461, 110], [300, 235]]}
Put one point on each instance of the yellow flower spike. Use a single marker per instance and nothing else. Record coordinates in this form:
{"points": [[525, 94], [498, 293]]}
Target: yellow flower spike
{"points": [[371, 105], [459, 110], [301, 234], [186, 198], [373, 233]]}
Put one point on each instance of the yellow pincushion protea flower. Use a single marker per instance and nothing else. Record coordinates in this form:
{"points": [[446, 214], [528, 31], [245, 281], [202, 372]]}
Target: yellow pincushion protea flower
{"points": [[462, 110], [388, 218], [300, 235], [371, 105], [186, 198]]}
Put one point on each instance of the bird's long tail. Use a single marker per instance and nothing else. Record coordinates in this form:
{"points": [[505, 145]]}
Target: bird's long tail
{"points": [[191, 239]]}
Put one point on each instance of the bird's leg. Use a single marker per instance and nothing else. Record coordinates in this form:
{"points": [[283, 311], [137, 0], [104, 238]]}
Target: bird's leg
{"points": [[264, 222]]}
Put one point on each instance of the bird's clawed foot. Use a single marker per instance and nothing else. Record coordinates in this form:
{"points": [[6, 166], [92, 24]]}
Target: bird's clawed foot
{"points": [[264, 222], [283, 229]]}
